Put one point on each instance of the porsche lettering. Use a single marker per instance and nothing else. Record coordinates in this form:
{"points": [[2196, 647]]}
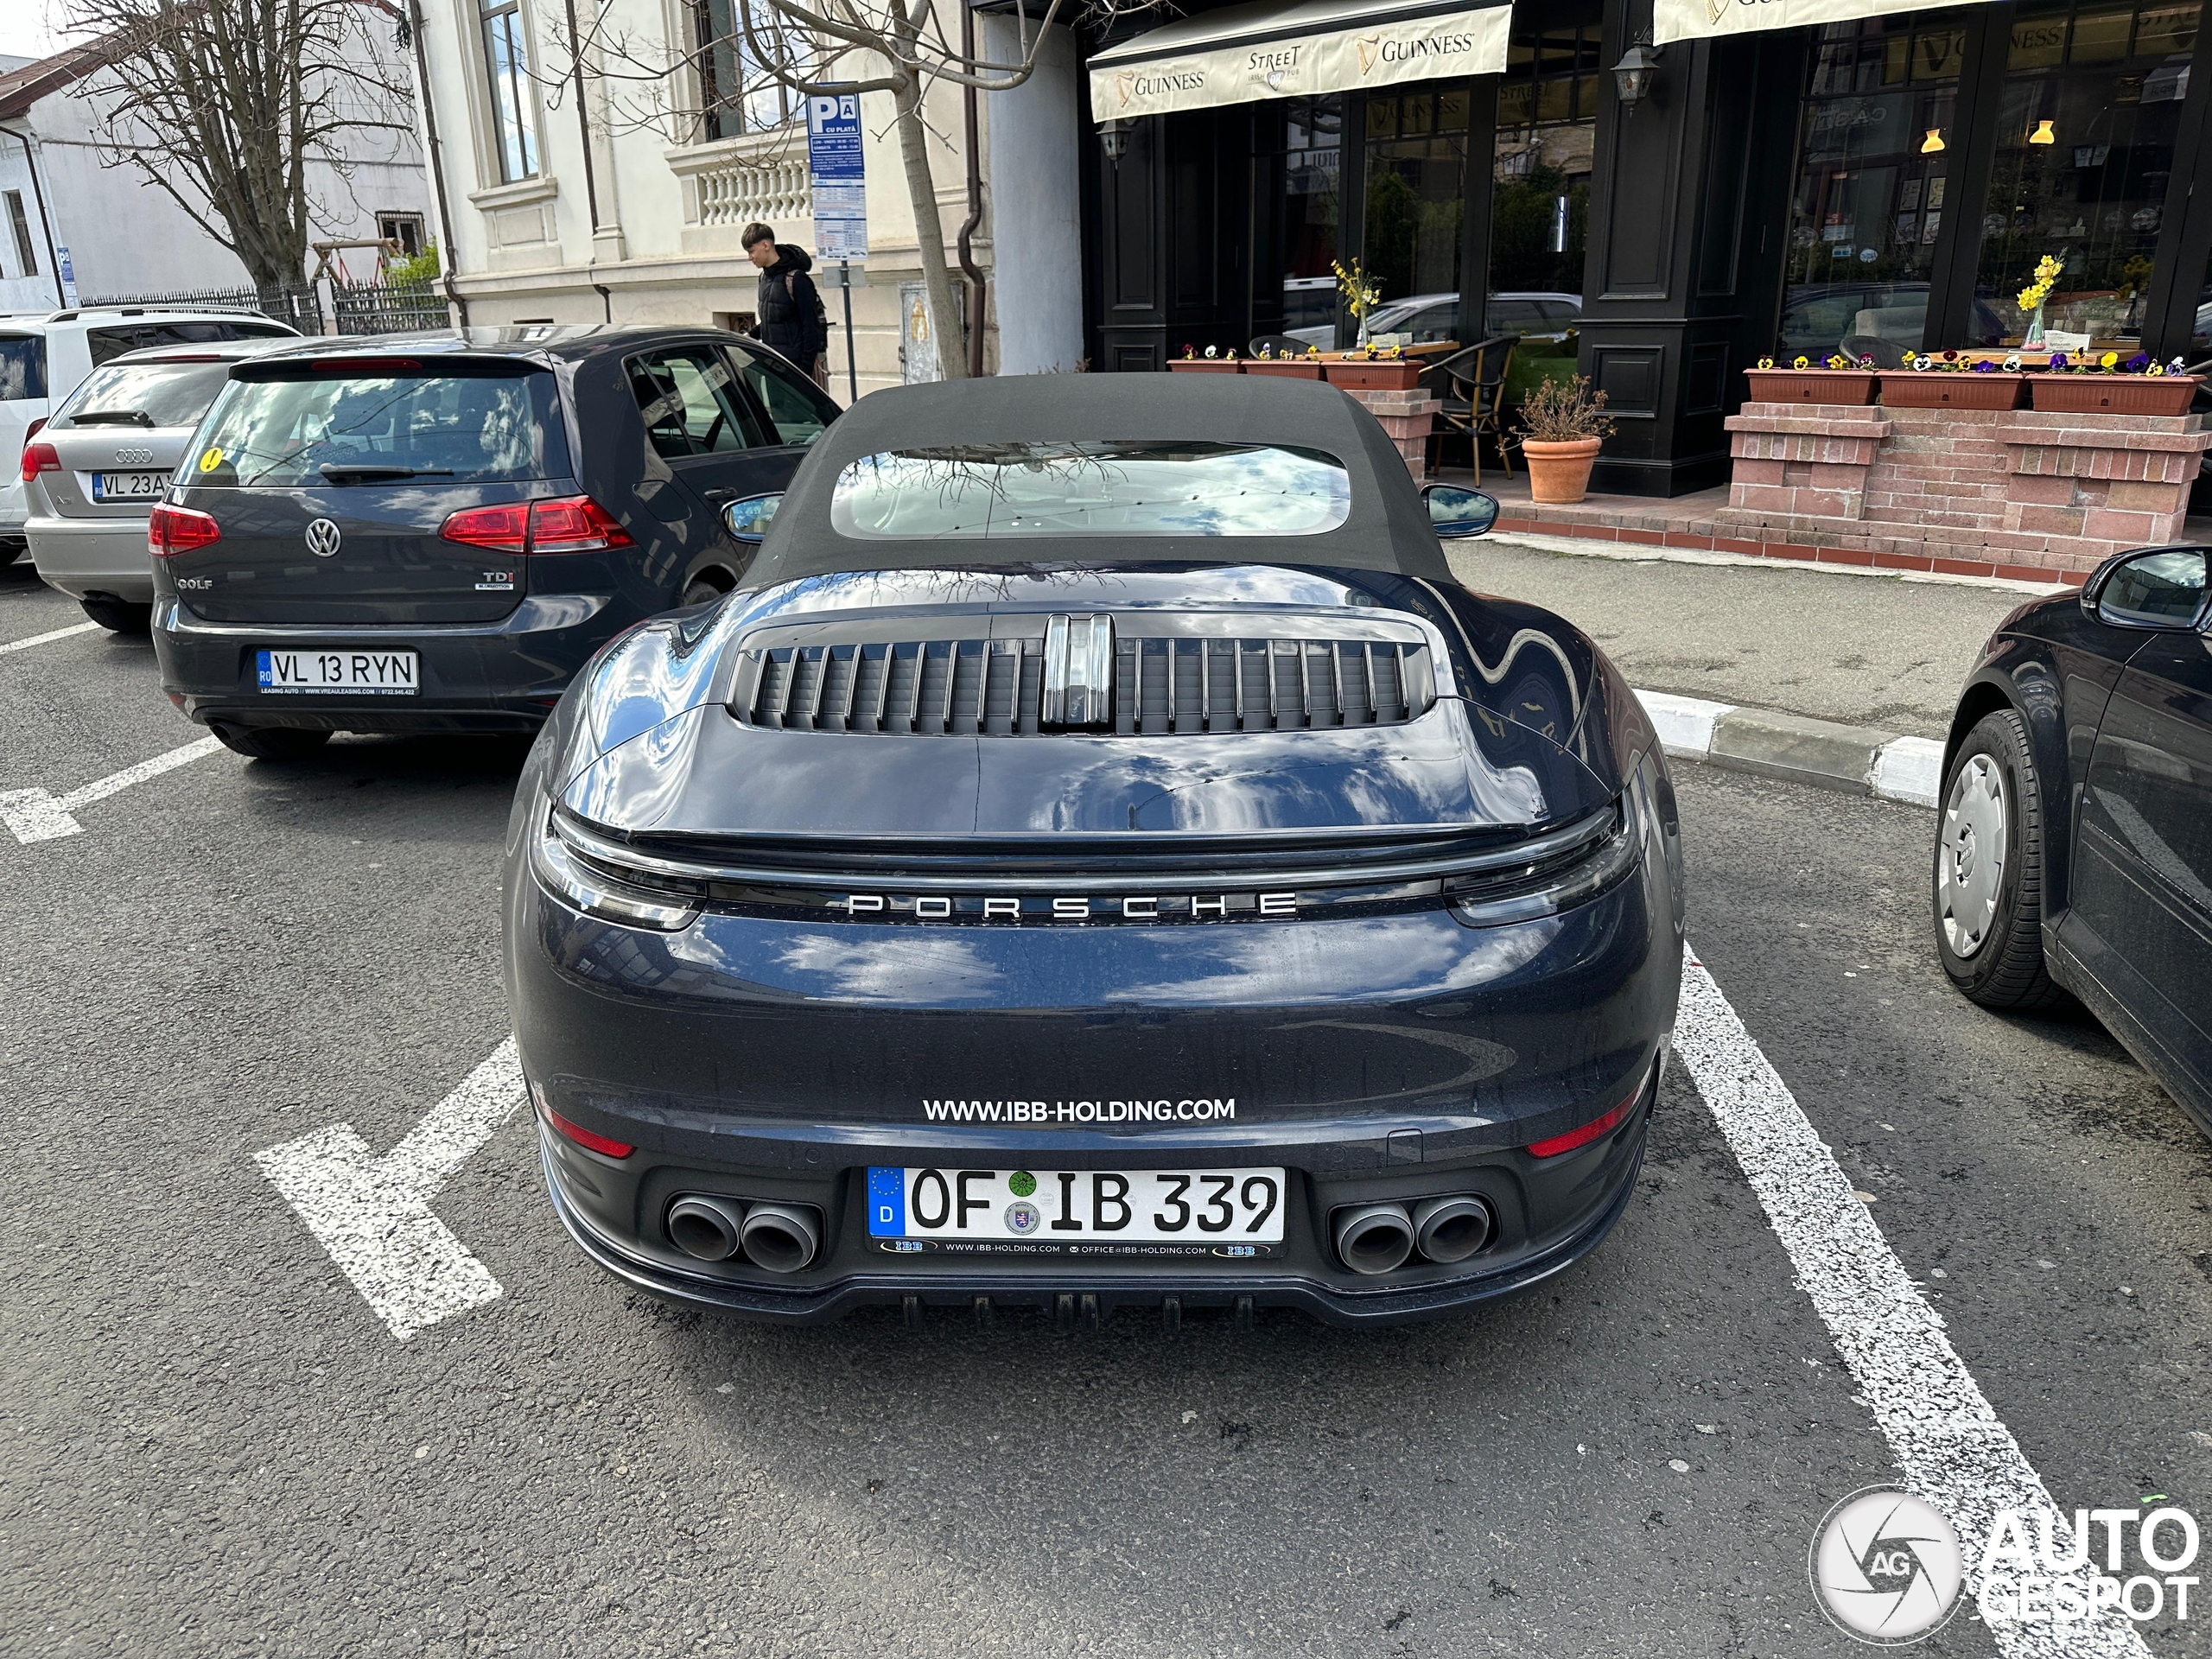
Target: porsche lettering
{"points": [[1081, 907]]}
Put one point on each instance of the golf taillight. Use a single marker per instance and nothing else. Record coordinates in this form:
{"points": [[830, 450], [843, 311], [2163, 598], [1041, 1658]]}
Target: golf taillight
{"points": [[584, 1137], [567, 523], [172, 531], [1588, 1132], [40, 458]]}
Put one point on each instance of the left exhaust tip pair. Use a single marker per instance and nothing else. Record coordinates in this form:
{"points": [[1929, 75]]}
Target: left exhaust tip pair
{"points": [[775, 1237], [1374, 1238]]}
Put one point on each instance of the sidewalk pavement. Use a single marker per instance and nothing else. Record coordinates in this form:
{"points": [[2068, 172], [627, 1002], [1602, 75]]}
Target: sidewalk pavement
{"points": [[1844, 680]]}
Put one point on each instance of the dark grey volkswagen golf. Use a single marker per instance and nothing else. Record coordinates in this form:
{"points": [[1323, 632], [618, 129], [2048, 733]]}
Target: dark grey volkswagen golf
{"points": [[1099, 856], [434, 533]]}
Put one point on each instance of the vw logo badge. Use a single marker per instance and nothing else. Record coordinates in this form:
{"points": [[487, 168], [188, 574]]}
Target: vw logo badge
{"points": [[323, 538]]}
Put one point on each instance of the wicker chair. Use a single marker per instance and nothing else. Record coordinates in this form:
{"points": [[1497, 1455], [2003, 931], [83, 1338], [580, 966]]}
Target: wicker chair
{"points": [[1471, 384]]}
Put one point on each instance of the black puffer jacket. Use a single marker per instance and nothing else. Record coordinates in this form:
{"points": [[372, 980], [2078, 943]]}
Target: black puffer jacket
{"points": [[789, 314]]}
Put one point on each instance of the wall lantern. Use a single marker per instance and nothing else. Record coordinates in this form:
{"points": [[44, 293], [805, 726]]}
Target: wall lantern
{"points": [[1114, 138], [1633, 73], [1932, 143], [2043, 134]]}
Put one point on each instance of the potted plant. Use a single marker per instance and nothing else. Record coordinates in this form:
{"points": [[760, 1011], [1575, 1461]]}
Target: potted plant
{"points": [[1285, 365], [1212, 363], [1950, 381], [2138, 386], [1369, 370], [1565, 423], [1839, 381]]}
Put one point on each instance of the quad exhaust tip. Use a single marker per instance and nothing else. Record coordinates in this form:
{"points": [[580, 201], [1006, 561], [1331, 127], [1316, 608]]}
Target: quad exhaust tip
{"points": [[775, 1237], [1374, 1238]]}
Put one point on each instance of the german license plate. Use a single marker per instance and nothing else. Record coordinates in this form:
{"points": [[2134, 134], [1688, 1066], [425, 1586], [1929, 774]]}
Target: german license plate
{"points": [[130, 486], [376, 673], [1227, 1211]]}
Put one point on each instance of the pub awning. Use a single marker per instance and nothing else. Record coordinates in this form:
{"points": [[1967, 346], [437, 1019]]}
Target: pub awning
{"points": [[1245, 54], [1691, 19]]}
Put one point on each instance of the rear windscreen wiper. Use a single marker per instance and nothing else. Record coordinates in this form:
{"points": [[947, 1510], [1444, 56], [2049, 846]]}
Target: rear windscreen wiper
{"points": [[111, 417], [369, 473]]}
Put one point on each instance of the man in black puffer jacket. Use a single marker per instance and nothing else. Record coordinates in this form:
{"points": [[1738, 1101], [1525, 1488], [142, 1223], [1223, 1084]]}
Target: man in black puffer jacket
{"points": [[788, 316]]}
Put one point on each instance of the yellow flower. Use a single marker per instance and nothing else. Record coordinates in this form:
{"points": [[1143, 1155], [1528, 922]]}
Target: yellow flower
{"points": [[2110, 359], [1801, 363], [1766, 362]]}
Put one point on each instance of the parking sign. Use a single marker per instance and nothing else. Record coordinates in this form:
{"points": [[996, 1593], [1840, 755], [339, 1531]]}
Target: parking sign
{"points": [[837, 176]]}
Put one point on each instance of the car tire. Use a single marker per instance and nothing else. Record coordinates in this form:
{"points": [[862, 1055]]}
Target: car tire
{"points": [[119, 615], [271, 742], [702, 589], [1989, 868]]}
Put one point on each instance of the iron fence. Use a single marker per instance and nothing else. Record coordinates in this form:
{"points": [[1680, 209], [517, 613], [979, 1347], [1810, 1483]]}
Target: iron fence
{"points": [[386, 307], [299, 306]]}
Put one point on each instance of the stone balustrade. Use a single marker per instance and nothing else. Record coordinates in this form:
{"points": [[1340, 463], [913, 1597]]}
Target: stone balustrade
{"points": [[735, 182]]}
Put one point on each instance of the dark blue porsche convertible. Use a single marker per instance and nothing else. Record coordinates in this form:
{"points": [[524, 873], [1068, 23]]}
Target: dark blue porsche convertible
{"points": [[1098, 856]]}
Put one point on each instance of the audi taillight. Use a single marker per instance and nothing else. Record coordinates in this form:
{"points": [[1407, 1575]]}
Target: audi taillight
{"points": [[568, 524], [172, 531], [40, 458]]}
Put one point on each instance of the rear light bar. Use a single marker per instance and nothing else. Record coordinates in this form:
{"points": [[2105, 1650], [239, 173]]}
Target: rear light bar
{"points": [[568, 524], [172, 531], [364, 365], [1589, 1132], [40, 458]]}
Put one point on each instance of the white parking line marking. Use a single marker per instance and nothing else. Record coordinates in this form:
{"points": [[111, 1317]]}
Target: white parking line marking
{"points": [[34, 814], [1950, 1443], [373, 1216], [43, 638]]}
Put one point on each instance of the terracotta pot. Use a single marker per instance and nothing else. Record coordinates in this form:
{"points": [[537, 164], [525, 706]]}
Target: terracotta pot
{"points": [[1380, 376], [1204, 365], [1560, 473], [1289, 368], [1811, 385], [2113, 394], [1949, 388]]}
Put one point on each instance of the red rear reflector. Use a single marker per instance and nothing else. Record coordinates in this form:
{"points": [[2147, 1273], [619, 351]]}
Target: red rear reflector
{"points": [[40, 458], [1587, 1133], [503, 529], [584, 1137], [172, 531], [574, 523]]}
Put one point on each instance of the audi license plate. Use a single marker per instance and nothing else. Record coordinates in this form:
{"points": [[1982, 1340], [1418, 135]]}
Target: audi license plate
{"points": [[130, 486], [374, 673], [1224, 1212]]}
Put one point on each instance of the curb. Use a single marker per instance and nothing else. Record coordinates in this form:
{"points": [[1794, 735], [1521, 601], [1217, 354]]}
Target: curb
{"points": [[1856, 759]]}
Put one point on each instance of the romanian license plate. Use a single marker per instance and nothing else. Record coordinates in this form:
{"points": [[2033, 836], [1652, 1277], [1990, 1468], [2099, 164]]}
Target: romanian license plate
{"points": [[130, 486], [374, 673], [1227, 1212]]}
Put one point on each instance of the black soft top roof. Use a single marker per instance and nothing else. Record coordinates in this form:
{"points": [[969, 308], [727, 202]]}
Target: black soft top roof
{"points": [[1387, 530]]}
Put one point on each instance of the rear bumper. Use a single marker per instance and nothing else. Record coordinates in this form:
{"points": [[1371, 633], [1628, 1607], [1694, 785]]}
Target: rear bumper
{"points": [[492, 677], [84, 557]]}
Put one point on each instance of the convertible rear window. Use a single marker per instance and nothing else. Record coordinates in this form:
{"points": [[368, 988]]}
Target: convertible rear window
{"points": [[1090, 487], [315, 421]]}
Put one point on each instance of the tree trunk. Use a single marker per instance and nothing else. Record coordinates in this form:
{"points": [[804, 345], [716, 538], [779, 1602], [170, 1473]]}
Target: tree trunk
{"points": [[945, 321]]}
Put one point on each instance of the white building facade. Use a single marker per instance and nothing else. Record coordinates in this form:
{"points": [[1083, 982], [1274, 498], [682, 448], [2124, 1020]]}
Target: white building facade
{"points": [[623, 199], [73, 229]]}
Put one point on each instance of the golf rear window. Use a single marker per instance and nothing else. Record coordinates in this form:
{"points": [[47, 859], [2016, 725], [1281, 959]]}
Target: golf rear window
{"points": [[1090, 487], [382, 422], [165, 394]]}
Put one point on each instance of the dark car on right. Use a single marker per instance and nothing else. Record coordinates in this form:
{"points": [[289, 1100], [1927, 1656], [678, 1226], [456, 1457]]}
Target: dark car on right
{"points": [[2073, 848]]}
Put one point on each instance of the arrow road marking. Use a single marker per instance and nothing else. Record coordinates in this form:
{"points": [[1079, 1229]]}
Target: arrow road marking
{"points": [[44, 639], [1953, 1448], [373, 1216], [34, 814]]}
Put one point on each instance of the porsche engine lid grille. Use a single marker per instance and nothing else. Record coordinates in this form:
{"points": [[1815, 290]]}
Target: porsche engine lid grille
{"points": [[1015, 686]]}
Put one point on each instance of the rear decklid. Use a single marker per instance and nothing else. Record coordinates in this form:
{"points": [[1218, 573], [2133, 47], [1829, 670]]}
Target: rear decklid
{"points": [[331, 479]]}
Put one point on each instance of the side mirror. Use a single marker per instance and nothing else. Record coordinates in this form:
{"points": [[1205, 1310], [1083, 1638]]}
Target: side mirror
{"points": [[1453, 511], [2159, 587], [747, 520]]}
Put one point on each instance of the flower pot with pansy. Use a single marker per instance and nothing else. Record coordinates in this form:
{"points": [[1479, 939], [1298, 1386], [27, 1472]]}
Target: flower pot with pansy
{"points": [[1840, 380], [2108, 385]]}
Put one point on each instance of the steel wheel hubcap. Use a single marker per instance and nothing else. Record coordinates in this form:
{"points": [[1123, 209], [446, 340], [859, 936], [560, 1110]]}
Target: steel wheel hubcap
{"points": [[1970, 855]]}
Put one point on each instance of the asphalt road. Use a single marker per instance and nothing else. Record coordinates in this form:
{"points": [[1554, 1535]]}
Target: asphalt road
{"points": [[1881, 650], [212, 1446]]}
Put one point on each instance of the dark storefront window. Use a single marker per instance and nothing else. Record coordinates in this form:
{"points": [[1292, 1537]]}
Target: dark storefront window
{"points": [[1416, 185], [1875, 143], [2200, 333], [2085, 144], [1313, 151], [1540, 173]]}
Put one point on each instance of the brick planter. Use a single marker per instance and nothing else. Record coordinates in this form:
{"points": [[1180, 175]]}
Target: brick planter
{"points": [[1204, 366], [1378, 376], [1294, 369], [1844, 386], [1407, 418], [2112, 394], [1947, 389], [1957, 489]]}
